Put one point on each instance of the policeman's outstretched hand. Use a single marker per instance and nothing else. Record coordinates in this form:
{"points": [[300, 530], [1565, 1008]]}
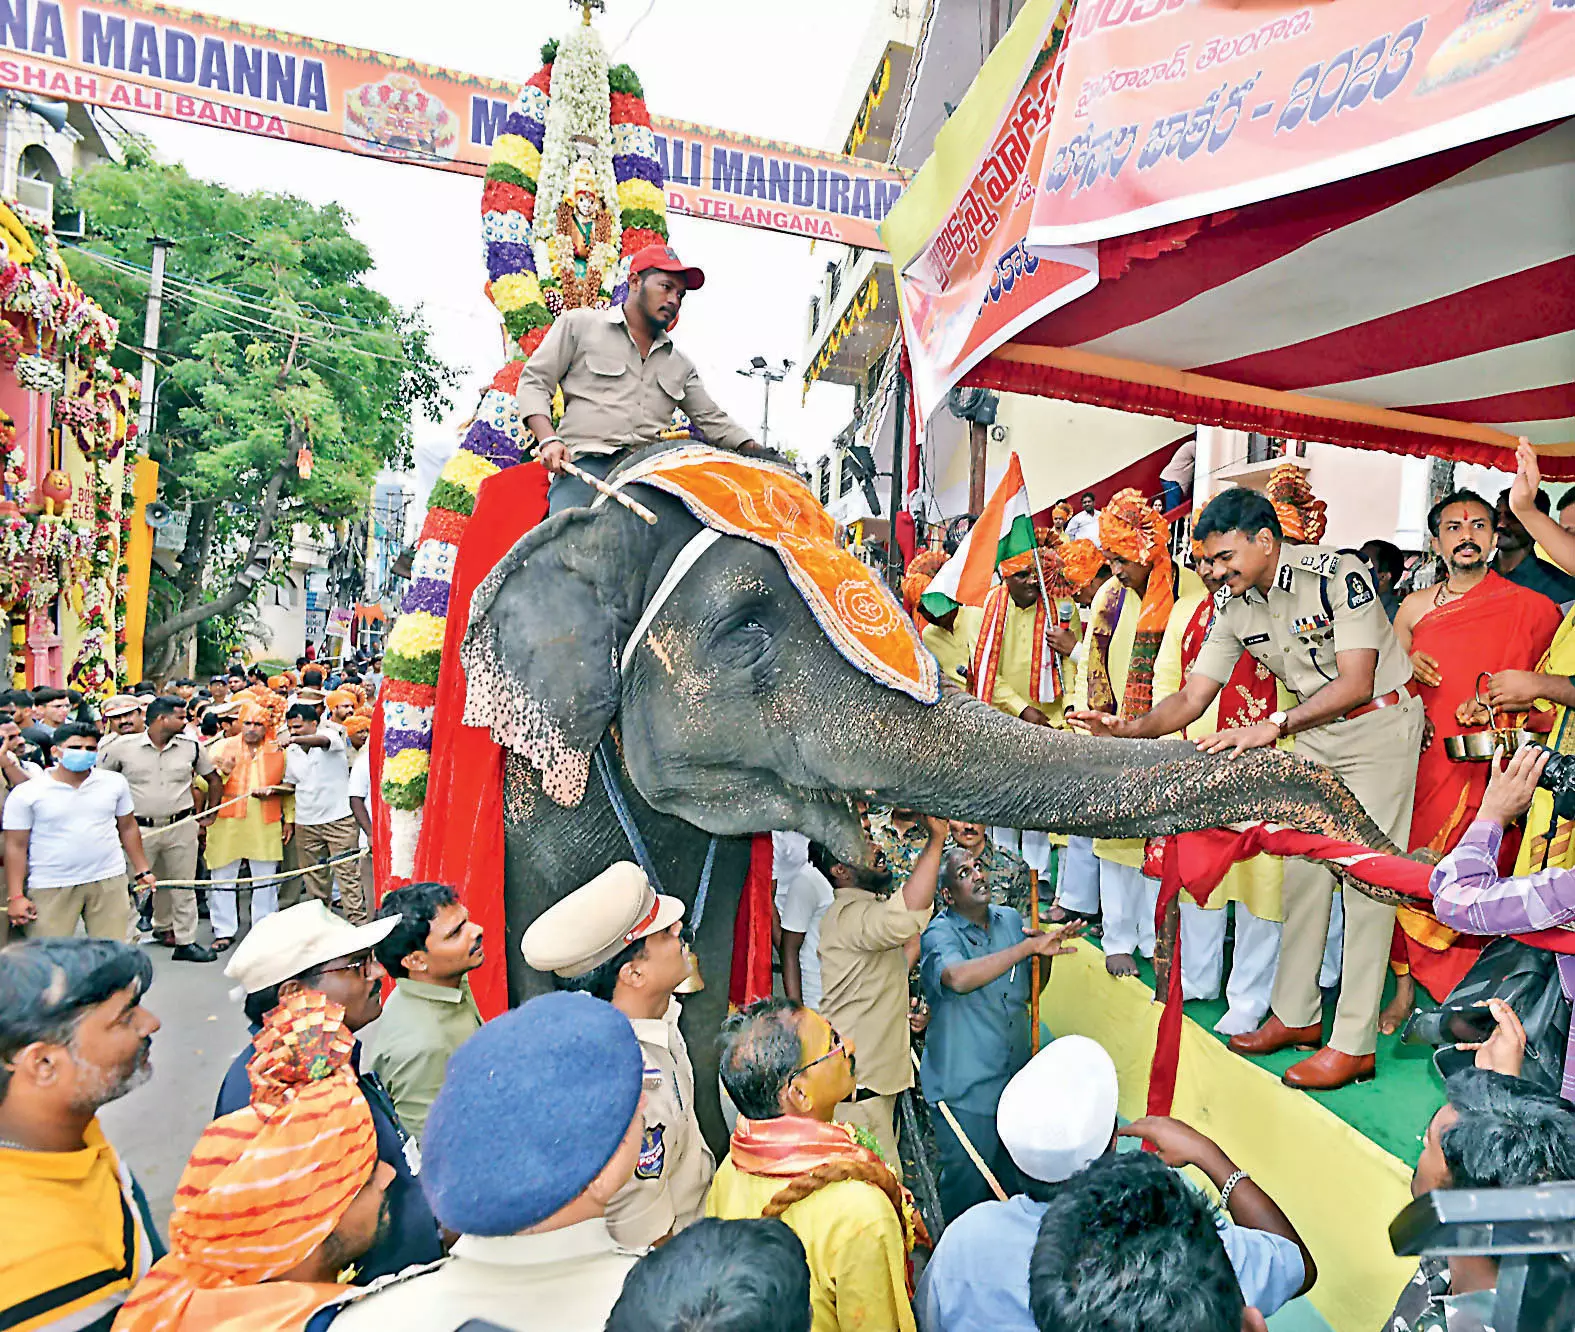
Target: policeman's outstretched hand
{"points": [[1512, 785], [1238, 739], [1101, 723]]}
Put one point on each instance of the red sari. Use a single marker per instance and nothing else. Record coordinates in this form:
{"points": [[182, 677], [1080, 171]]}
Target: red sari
{"points": [[1497, 626]]}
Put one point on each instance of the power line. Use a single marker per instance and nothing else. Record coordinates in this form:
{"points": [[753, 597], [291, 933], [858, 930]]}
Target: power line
{"points": [[184, 294]]}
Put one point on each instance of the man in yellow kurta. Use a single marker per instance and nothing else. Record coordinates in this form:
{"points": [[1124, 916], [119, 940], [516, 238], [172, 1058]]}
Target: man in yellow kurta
{"points": [[1254, 885], [1126, 625], [786, 1071], [251, 830], [1021, 661]]}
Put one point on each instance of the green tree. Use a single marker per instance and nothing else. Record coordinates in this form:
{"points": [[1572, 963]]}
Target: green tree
{"points": [[271, 341]]}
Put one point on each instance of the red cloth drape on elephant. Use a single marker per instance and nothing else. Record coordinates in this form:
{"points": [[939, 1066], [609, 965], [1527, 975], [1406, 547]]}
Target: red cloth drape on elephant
{"points": [[462, 835]]}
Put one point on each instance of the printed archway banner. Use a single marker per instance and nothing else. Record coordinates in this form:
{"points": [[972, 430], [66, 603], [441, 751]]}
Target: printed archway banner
{"points": [[1175, 109], [136, 55]]}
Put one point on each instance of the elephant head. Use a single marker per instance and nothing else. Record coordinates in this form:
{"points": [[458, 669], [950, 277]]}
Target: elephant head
{"points": [[737, 713]]}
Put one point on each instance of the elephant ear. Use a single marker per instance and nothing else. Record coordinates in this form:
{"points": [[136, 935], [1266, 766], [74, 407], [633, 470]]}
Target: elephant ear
{"points": [[541, 649]]}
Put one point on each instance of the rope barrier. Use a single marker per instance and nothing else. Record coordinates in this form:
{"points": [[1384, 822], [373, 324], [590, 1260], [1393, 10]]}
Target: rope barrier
{"points": [[280, 877], [190, 818]]}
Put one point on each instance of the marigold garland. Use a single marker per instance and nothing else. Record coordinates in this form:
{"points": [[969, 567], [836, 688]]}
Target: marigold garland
{"points": [[524, 235]]}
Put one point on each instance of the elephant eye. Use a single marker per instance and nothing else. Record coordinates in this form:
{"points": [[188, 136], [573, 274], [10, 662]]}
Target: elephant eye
{"points": [[743, 637]]}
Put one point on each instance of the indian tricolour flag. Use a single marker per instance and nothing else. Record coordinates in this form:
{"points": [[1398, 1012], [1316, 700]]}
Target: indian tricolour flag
{"points": [[1004, 529]]}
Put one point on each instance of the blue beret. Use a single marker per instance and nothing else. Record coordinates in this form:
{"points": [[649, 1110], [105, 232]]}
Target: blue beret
{"points": [[532, 1108]]}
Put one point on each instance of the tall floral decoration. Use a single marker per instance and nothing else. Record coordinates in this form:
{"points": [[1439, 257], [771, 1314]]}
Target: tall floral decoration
{"points": [[573, 111]]}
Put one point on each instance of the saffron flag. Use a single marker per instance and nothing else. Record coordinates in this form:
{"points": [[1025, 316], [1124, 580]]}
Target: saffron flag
{"points": [[1004, 529]]}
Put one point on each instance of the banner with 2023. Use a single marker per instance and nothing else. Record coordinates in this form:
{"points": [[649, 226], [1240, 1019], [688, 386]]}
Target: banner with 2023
{"points": [[1173, 109]]}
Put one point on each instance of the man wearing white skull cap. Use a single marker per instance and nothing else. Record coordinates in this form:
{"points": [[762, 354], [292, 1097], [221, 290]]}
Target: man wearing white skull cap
{"points": [[1056, 1117]]}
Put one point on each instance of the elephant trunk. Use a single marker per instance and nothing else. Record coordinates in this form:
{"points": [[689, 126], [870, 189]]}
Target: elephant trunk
{"points": [[965, 760]]}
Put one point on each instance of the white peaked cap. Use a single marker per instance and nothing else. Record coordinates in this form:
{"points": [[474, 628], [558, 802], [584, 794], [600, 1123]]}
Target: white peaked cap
{"points": [[1057, 1115]]}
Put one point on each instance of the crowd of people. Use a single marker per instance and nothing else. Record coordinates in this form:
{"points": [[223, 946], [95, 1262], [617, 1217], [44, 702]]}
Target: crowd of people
{"points": [[381, 1157], [129, 815]]}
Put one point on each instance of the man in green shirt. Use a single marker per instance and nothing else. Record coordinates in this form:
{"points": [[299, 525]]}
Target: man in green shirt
{"points": [[431, 1012]]}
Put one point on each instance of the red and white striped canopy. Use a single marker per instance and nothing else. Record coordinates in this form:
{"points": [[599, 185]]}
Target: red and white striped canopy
{"points": [[1442, 288]]}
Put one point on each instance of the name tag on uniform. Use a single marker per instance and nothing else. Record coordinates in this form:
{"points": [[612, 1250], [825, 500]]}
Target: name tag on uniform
{"points": [[1252, 640]]}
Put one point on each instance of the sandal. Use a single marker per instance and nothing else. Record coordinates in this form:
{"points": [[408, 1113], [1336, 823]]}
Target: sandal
{"points": [[222, 945]]}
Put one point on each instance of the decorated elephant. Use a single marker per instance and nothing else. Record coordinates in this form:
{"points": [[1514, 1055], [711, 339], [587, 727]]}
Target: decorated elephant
{"points": [[688, 680]]}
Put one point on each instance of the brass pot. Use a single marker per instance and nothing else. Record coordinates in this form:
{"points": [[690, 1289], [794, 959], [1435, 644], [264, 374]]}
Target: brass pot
{"points": [[1472, 746]]}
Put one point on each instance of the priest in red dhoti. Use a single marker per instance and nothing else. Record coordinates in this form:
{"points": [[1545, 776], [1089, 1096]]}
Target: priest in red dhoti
{"points": [[1471, 624]]}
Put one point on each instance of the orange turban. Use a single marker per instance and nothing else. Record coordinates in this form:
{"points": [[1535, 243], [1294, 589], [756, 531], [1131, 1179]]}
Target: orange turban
{"points": [[338, 696], [1016, 563], [922, 569], [269, 1183], [1061, 514], [277, 682], [1131, 529], [1303, 517], [1082, 562], [253, 711], [356, 723]]}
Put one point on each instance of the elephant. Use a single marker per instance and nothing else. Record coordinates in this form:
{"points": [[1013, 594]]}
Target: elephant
{"points": [[735, 714]]}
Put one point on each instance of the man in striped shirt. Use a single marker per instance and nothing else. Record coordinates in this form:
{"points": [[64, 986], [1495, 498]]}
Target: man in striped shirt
{"points": [[1469, 895], [74, 1225]]}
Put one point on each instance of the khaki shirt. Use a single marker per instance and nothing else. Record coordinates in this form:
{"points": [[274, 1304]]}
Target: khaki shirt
{"points": [[422, 1025], [1321, 603], [864, 981], [612, 396], [160, 779], [675, 1166], [566, 1279]]}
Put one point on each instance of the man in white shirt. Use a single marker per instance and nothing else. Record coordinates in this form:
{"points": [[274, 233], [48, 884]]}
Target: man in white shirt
{"points": [[360, 791], [316, 770], [1084, 525], [802, 896], [64, 836]]}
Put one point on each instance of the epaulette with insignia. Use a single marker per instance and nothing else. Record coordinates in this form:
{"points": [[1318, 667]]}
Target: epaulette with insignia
{"points": [[1318, 560]]}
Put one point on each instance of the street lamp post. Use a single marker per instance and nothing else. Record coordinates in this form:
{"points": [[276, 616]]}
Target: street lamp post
{"points": [[760, 368]]}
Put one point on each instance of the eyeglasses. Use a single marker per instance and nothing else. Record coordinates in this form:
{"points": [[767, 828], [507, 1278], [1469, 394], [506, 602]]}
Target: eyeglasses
{"points": [[838, 1046], [362, 964]]}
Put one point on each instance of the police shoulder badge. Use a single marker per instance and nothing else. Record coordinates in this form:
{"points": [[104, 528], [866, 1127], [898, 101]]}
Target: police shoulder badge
{"points": [[1358, 591], [653, 1152]]}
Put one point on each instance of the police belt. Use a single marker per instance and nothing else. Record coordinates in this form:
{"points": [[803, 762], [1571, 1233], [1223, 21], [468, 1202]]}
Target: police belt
{"points": [[1392, 699], [159, 820]]}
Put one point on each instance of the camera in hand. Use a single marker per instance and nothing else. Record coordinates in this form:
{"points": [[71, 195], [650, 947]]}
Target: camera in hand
{"points": [[1559, 778]]}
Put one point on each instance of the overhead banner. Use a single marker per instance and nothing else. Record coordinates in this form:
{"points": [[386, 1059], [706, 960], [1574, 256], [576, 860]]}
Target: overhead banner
{"points": [[976, 283], [1174, 109], [135, 55]]}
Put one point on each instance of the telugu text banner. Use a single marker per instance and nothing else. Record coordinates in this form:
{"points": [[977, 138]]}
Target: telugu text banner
{"points": [[1174, 109], [976, 283], [135, 55]]}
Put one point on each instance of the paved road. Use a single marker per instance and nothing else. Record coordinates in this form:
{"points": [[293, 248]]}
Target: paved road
{"points": [[155, 1127]]}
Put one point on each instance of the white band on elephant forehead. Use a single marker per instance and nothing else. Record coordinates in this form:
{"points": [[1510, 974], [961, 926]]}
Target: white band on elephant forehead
{"points": [[697, 546]]}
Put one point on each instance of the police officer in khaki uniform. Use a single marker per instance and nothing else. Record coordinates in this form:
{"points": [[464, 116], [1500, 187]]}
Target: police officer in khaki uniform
{"points": [[122, 715], [1312, 616], [620, 941], [160, 764]]}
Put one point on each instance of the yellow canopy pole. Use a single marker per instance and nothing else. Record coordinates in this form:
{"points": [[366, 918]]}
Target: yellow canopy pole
{"points": [[139, 567]]}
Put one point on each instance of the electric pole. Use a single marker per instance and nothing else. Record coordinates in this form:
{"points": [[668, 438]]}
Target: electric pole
{"points": [[150, 339], [759, 368]]}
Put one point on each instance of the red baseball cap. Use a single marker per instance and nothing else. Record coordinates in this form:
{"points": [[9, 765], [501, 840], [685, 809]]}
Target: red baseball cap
{"points": [[664, 258]]}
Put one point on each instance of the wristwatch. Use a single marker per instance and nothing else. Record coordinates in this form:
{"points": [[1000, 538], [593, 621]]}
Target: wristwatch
{"points": [[1279, 719], [144, 874]]}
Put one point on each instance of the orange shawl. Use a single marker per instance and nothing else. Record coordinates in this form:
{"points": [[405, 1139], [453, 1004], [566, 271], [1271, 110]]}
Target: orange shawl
{"points": [[250, 770]]}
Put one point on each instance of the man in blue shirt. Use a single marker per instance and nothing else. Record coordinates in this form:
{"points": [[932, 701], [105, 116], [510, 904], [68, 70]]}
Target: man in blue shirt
{"points": [[307, 946], [1056, 1117], [974, 964]]}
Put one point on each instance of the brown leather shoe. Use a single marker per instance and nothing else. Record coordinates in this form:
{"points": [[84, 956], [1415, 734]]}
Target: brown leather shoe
{"points": [[1274, 1036], [1328, 1069]]}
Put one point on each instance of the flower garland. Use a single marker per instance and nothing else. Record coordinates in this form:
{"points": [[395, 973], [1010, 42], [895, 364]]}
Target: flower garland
{"points": [[526, 181]]}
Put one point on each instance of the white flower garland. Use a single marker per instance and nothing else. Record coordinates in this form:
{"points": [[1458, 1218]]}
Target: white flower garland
{"points": [[582, 101]]}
